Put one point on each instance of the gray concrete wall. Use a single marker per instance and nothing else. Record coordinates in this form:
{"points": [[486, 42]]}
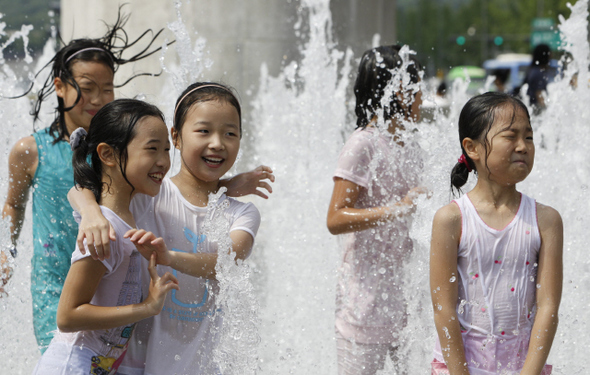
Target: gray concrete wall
{"points": [[240, 35]]}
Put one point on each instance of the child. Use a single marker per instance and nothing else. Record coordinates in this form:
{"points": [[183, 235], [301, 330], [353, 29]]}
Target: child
{"points": [[101, 300], [496, 254], [82, 76], [375, 184], [207, 131]]}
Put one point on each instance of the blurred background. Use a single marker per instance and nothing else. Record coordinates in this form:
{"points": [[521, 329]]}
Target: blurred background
{"points": [[240, 36]]}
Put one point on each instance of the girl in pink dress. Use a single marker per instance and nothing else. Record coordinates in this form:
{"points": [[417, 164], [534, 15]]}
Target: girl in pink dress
{"points": [[374, 188], [496, 254]]}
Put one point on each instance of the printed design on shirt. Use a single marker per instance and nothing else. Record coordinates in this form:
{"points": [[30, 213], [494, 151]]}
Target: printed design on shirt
{"points": [[116, 339], [49, 247], [195, 240], [101, 365]]}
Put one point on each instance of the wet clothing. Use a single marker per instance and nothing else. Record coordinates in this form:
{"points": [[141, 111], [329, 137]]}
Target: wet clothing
{"points": [[180, 340], [100, 351], [497, 286], [54, 231], [370, 307]]}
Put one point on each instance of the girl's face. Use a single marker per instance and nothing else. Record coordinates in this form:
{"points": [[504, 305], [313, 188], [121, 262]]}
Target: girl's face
{"points": [[148, 156], [512, 150], [209, 140], [96, 87]]}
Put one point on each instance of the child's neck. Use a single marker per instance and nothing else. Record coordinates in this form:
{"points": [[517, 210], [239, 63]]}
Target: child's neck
{"points": [[193, 189], [118, 202], [496, 205]]}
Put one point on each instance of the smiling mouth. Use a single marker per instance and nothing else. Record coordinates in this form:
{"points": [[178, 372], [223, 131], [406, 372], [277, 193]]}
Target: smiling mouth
{"points": [[213, 161], [157, 177], [92, 112]]}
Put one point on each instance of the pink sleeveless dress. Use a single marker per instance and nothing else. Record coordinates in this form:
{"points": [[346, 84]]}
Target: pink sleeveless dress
{"points": [[497, 285]]}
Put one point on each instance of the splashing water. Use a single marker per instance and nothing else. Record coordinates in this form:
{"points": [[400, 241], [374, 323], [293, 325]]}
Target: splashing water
{"points": [[237, 351], [302, 118]]}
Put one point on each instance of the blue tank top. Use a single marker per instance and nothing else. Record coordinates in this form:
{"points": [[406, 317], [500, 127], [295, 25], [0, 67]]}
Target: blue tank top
{"points": [[54, 229]]}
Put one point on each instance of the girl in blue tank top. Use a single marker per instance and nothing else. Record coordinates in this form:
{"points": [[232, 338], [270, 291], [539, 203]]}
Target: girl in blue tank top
{"points": [[81, 76]]}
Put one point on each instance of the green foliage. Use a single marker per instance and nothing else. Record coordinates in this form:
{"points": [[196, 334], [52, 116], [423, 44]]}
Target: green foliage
{"points": [[28, 12], [431, 28]]}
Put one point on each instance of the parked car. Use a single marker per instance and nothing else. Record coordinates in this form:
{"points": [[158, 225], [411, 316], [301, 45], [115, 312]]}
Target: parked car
{"points": [[518, 65]]}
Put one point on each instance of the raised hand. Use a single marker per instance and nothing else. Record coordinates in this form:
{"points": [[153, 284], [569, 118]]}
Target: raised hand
{"points": [[249, 183], [159, 287]]}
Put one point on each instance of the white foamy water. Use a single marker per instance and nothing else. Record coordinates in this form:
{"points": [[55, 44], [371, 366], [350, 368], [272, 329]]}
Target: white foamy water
{"points": [[300, 121]]}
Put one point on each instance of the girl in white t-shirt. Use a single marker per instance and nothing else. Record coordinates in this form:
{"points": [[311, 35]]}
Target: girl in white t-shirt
{"points": [[375, 184], [207, 132], [496, 264], [128, 148]]}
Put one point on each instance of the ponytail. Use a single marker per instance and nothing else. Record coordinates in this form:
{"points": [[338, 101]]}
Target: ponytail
{"points": [[86, 175], [460, 172]]}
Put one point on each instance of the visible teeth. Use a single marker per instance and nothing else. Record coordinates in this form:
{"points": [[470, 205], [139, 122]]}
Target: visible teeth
{"points": [[213, 160], [156, 176]]}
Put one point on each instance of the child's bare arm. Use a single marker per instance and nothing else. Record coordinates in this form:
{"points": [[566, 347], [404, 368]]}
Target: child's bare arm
{"points": [[194, 264], [94, 227], [22, 164], [343, 217], [549, 285], [444, 289], [75, 313]]}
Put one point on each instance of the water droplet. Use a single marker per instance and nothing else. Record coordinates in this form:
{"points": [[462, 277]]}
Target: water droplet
{"points": [[382, 270], [384, 296], [453, 279], [177, 357], [538, 286]]}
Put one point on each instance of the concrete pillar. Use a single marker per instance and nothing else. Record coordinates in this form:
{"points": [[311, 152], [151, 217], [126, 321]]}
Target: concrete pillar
{"points": [[240, 35]]}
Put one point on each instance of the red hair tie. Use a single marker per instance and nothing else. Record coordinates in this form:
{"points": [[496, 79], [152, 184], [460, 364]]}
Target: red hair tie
{"points": [[463, 160]]}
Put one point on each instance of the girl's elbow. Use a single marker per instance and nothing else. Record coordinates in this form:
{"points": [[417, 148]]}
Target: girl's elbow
{"points": [[334, 226], [64, 323]]}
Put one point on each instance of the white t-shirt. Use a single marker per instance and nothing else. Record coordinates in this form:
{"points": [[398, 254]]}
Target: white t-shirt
{"points": [[181, 338], [121, 285]]}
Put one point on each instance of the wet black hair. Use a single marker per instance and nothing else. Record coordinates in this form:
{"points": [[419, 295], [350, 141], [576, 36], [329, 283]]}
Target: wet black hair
{"points": [[107, 50], [114, 124], [200, 92], [375, 72], [475, 121], [541, 55]]}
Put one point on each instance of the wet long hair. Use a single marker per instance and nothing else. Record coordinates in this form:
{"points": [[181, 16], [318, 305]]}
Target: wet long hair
{"points": [[200, 92], [475, 121], [114, 124], [375, 72], [107, 50]]}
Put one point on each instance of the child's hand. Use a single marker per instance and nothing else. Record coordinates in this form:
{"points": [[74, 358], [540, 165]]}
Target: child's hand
{"points": [[249, 182], [5, 273], [147, 243], [159, 287], [99, 233], [409, 200]]}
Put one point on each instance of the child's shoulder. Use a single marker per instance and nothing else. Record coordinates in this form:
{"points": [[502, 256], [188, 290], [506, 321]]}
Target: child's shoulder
{"points": [[548, 217], [448, 215], [240, 207]]}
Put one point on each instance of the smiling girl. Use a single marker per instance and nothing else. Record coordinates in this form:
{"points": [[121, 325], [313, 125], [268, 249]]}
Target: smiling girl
{"points": [[128, 146], [207, 132]]}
